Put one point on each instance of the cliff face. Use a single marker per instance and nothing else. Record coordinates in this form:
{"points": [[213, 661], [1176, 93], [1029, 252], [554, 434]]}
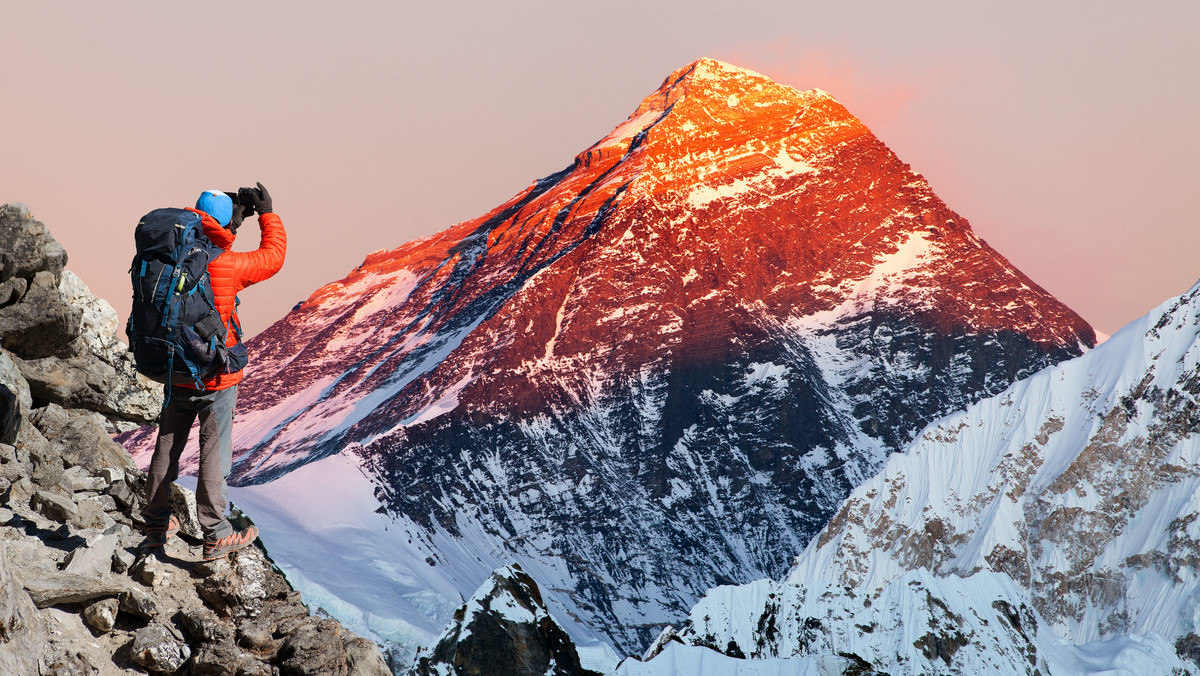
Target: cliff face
{"points": [[659, 369], [79, 594]]}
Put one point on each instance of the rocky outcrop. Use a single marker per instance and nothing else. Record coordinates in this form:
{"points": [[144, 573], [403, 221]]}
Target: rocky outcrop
{"points": [[60, 338], [503, 630], [79, 591]]}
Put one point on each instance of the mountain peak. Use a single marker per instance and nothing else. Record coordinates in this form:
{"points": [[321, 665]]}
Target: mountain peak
{"points": [[702, 335]]}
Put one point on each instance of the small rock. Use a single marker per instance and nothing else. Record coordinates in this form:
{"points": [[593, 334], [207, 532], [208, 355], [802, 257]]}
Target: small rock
{"points": [[50, 419], [220, 659], [203, 625], [105, 502], [12, 289], [120, 491], [23, 490], [183, 506], [101, 615], [7, 453], [138, 603], [156, 648], [53, 506], [88, 483], [254, 636], [207, 568], [122, 560], [150, 571], [112, 474], [47, 473], [90, 514]]}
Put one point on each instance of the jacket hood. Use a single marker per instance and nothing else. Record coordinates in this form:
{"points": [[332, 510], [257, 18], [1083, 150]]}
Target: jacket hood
{"points": [[219, 236]]}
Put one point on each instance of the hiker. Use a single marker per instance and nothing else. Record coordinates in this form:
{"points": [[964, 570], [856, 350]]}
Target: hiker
{"points": [[213, 399]]}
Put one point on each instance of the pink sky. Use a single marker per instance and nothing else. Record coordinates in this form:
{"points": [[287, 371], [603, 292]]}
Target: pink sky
{"points": [[1065, 132]]}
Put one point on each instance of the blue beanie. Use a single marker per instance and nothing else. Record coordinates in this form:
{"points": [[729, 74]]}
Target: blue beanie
{"points": [[216, 204]]}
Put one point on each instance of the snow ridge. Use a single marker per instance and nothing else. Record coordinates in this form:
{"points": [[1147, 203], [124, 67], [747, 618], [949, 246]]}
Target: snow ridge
{"points": [[1055, 524]]}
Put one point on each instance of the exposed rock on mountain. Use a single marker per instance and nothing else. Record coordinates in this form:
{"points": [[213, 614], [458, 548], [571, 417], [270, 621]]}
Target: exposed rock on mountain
{"points": [[79, 594], [503, 629], [61, 339], [1056, 525], [659, 369]]}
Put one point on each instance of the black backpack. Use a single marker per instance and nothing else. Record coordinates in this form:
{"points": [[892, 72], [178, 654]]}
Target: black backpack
{"points": [[175, 333]]}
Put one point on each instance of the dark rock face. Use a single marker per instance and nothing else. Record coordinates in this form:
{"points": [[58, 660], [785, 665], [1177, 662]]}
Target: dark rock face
{"points": [[79, 591], [41, 324], [10, 415], [503, 630]]}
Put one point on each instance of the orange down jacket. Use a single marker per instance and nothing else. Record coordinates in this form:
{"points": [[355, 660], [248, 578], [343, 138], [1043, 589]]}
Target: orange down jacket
{"points": [[233, 271]]}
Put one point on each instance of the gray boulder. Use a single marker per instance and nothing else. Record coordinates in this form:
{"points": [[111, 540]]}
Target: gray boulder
{"points": [[42, 323], [85, 443], [52, 588], [93, 558]]}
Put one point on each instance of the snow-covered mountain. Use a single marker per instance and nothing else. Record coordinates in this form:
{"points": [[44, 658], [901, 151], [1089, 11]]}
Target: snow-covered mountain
{"points": [[657, 370], [1053, 527]]}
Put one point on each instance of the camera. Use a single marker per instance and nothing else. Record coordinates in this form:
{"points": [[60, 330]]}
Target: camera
{"points": [[247, 198]]}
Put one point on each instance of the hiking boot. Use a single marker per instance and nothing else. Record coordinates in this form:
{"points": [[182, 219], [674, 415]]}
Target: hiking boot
{"points": [[229, 543], [157, 535]]}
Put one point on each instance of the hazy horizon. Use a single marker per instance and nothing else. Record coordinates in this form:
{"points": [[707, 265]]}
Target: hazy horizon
{"points": [[1065, 134]]}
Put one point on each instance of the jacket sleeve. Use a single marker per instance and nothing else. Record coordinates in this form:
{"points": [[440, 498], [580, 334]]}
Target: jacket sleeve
{"points": [[258, 265]]}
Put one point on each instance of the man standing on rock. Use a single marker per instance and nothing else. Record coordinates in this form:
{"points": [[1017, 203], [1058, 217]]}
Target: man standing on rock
{"points": [[214, 403]]}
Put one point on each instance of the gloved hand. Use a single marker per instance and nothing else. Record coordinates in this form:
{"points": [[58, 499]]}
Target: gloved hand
{"points": [[235, 222], [262, 201]]}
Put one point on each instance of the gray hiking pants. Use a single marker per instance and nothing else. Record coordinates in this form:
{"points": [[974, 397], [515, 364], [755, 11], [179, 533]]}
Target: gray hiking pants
{"points": [[215, 410]]}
